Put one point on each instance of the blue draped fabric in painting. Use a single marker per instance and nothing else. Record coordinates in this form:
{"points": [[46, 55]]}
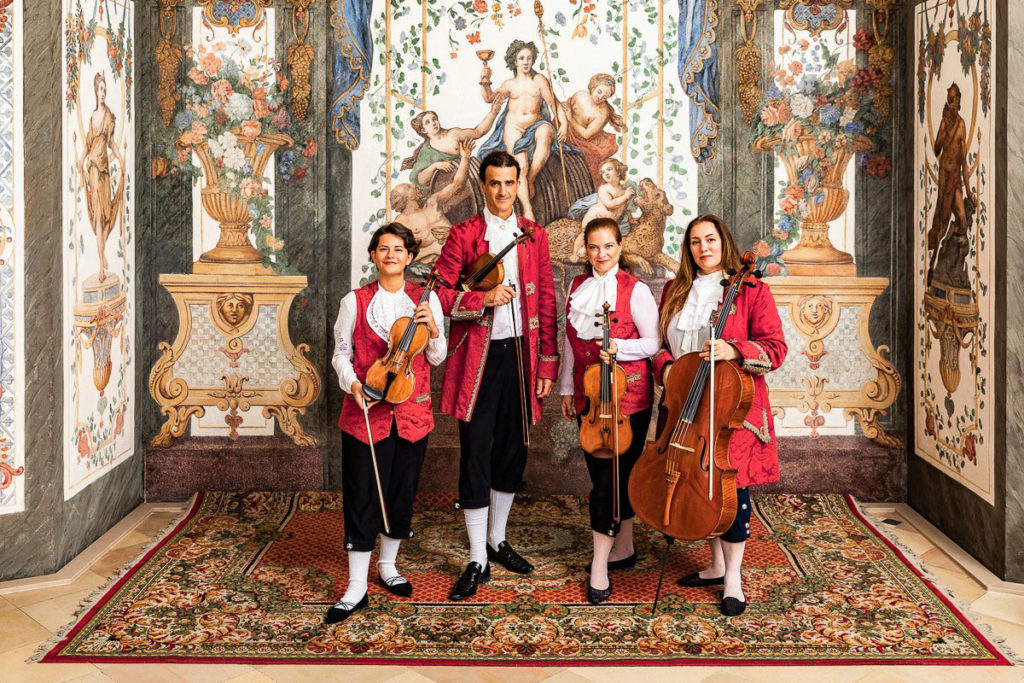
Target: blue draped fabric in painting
{"points": [[353, 58], [698, 73]]}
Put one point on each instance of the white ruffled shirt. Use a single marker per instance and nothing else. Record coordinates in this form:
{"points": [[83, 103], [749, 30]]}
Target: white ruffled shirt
{"points": [[499, 234], [688, 329], [582, 316], [384, 309]]}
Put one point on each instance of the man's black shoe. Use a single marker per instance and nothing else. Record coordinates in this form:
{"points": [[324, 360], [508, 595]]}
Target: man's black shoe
{"points": [[343, 610], [471, 577], [509, 558]]}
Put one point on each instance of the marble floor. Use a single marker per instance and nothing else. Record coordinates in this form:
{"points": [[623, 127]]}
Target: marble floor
{"points": [[32, 610]]}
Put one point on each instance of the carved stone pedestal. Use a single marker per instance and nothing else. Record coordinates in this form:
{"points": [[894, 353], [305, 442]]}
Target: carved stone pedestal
{"points": [[233, 351], [832, 363]]}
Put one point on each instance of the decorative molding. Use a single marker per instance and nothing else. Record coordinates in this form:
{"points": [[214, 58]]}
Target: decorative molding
{"points": [[300, 58], [168, 56], [881, 55], [815, 16], [234, 14], [748, 61]]}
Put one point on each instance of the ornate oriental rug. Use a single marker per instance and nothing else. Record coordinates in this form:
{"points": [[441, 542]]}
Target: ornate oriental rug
{"points": [[248, 577]]}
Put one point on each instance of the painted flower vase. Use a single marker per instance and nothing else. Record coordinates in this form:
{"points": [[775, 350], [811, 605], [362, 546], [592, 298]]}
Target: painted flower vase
{"points": [[234, 252], [815, 254]]}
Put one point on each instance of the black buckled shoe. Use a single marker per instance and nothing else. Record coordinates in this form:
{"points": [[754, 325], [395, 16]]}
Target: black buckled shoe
{"points": [[471, 578], [509, 558], [343, 610], [732, 607], [695, 580], [396, 585], [595, 596], [624, 563]]}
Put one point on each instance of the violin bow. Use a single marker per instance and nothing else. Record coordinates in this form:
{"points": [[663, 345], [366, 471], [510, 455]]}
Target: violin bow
{"points": [[711, 422], [376, 472], [519, 369]]}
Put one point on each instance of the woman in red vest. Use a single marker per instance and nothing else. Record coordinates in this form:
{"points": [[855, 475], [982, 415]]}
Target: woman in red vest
{"points": [[633, 339], [399, 431], [753, 338]]}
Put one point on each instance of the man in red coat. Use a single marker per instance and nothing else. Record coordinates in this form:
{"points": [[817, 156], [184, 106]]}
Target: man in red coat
{"points": [[482, 380]]}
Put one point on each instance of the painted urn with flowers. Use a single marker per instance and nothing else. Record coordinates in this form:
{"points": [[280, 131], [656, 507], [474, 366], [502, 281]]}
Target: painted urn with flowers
{"points": [[816, 119], [233, 122]]}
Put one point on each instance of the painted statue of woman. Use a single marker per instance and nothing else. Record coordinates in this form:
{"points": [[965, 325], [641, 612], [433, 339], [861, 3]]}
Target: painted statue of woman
{"points": [[102, 200]]}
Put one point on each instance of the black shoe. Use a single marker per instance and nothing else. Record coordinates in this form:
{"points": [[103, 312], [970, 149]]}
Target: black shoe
{"points": [[396, 585], [342, 610], [509, 558], [695, 581], [624, 563], [471, 577], [595, 596], [732, 607]]}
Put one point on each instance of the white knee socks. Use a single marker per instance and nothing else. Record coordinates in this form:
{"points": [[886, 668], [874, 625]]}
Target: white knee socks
{"points": [[386, 563], [358, 568], [733, 553], [476, 529], [501, 505]]}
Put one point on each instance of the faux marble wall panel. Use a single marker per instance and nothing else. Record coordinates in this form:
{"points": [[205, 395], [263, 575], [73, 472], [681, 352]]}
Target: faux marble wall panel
{"points": [[99, 257], [12, 242]]}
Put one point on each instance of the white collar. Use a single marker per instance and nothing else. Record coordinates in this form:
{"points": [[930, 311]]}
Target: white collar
{"points": [[500, 226], [586, 304]]}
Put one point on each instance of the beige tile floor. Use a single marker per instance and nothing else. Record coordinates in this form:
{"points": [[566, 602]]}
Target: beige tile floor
{"points": [[29, 616]]}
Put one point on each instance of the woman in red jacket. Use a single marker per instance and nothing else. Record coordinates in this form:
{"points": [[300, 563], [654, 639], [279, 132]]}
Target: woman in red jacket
{"points": [[398, 431], [753, 338], [633, 339]]}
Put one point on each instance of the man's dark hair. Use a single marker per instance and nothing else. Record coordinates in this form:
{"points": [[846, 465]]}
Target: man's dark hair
{"points": [[398, 230], [498, 159]]}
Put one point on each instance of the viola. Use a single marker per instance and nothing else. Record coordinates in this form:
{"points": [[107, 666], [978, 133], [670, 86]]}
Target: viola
{"points": [[391, 377], [683, 484], [604, 430], [486, 272]]}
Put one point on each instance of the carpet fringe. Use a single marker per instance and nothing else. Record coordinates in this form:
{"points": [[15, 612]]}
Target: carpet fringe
{"points": [[89, 601], [965, 607]]}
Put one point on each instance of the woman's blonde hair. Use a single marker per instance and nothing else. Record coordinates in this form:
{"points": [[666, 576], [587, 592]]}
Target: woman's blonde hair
{"points": [[679, 288]]}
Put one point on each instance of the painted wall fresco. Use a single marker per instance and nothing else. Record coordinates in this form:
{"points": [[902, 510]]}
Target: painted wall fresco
{"points": [[954, 155], [98, 216], [12, 226], [427, 118]]}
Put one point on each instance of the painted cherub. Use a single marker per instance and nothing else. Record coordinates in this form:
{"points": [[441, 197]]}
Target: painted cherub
{"points": [[612, 199]]}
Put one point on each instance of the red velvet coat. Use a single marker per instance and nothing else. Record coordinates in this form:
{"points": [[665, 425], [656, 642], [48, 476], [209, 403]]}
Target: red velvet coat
{"points": [[755, 329], [470, 332]]}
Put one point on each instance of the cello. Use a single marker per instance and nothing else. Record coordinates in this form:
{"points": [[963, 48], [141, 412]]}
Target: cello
{"points": [[683, 484]]}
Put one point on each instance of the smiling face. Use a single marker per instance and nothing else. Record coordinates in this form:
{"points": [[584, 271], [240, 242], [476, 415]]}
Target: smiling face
{"points": [[391, 257], [706, 247], [499, 187], [524, 60], [601, 92], [603, 250]]}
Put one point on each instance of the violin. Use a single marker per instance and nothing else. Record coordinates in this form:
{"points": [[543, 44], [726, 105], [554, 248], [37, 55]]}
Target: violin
{"points": [[604, 430], [391, 377], [486, 272], [683, 484]]}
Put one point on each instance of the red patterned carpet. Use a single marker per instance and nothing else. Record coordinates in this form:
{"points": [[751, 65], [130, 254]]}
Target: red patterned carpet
{"points": [[248, 577]]}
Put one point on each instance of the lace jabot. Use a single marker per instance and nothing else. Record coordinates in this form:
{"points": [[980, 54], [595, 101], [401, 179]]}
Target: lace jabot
{"points": [[587, 303], [387, 307]]}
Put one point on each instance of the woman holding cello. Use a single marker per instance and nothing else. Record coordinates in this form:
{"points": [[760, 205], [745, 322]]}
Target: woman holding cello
{"points": [[753, 339], [631, 331], [383, 441]]}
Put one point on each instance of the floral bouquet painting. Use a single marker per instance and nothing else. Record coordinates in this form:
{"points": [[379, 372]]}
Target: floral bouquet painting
{"points": [[819, 112], [234, 119]]}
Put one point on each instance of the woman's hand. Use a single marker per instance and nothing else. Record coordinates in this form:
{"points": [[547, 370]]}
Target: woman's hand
{"points": [[424, 315], [568, 407], [361, 400], [723, 351], [606, 355]]}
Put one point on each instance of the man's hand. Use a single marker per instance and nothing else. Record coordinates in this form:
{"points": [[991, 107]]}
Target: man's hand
{"points": [[426, 316], [544, 387], [568, 407], [499, 296]]}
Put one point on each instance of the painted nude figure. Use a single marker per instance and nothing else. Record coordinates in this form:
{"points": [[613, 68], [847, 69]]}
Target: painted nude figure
{"points": [[102, 200], [524, 130], [439, 151], [951, 145], [612, 199], [588, 112], [423, 213]]}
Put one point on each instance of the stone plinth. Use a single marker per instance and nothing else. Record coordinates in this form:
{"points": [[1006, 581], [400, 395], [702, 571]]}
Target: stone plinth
{"points": [[250, 463]]}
